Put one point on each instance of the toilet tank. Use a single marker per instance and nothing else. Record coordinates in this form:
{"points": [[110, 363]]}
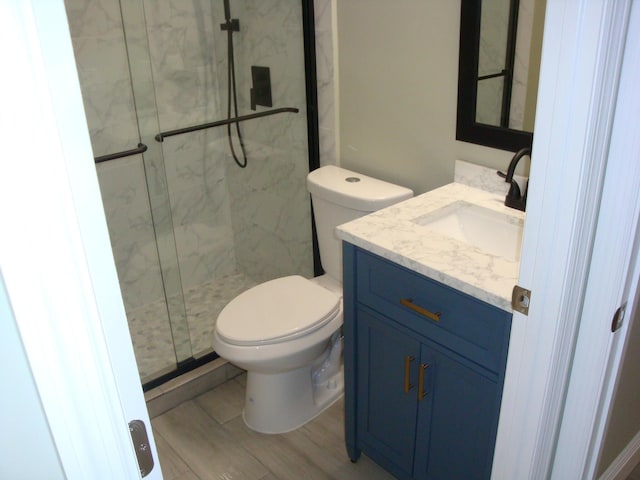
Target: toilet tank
{"points": [[339, 196]]}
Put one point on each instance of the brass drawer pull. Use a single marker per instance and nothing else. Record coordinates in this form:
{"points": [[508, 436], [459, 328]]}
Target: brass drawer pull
{"points": [[408, 302], [407, 367], [421, 392]]}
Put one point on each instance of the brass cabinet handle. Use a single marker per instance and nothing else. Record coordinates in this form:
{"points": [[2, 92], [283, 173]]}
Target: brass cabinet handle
{"points": [[408, 302], [421, 393], [407, 367]]}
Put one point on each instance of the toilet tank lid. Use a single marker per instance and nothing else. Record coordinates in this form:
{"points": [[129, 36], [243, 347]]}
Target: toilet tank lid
{"points": [[354, 190]]}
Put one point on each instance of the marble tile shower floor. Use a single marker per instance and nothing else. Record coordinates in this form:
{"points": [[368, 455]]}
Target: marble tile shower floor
{"points": [[153, 340], [205, 439]]}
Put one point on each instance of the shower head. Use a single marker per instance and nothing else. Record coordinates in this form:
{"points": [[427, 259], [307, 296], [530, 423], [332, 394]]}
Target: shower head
{"points": [[227, 10]]}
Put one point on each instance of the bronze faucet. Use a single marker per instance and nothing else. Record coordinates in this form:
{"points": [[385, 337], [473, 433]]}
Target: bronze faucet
{"points": [[514, 198]]}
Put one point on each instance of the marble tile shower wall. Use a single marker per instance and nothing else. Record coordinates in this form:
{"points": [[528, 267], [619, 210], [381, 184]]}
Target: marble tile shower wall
{"points": [[225, 218], [521, 65], [182, 37], [494, 28], [325, 82], [269, 203], [101, 58]]}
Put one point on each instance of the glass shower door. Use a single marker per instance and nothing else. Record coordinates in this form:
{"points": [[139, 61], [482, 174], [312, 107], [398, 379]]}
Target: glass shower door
{"points": [[234, 227], [120, 115], [191, 229]]}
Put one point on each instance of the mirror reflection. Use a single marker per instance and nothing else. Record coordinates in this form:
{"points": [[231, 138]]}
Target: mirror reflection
{"points": [[508, 62], [499, 66]]}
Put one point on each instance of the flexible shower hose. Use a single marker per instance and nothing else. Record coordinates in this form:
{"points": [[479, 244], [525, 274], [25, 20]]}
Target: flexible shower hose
{"points": [[231, 83]]}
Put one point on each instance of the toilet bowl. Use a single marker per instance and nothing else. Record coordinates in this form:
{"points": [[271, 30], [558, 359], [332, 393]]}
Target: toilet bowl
{"points": [[286, 335], [286, 332]]}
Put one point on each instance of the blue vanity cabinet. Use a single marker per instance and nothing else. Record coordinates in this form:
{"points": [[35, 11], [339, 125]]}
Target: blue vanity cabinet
{"points": [[385, 406], [422, 395]]}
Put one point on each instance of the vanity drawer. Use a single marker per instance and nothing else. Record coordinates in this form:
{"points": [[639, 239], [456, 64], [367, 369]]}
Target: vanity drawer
{"points": [[463, 324]]}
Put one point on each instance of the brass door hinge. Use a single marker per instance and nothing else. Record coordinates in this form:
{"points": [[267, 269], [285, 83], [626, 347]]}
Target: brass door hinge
{"points": [[520, 298], [142, 447]]}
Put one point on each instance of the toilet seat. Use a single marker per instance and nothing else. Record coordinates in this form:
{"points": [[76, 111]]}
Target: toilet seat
{"points": [[275, 311]]}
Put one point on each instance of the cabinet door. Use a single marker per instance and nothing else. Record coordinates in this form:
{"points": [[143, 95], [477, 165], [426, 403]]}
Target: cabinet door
{"points": [[456, 430], [387, 406]]}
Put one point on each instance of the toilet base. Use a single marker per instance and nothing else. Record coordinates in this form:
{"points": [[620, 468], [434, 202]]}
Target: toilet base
{"points": [[281, 402]]}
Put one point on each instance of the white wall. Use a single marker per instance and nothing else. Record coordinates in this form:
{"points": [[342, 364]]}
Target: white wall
{"points": [[25, 434], [624, 423], [398, 83]]}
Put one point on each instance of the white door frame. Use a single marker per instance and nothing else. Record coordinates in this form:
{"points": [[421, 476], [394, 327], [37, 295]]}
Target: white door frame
{"points": [[581, 64], [613, 282], [55, 254]]}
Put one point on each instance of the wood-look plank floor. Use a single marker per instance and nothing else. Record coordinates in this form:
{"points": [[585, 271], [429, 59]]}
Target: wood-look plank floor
{"points": [[206, 439]]}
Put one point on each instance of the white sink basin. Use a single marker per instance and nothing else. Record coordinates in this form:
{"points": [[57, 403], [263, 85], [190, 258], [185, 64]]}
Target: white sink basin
{"points": [[485, 229]]}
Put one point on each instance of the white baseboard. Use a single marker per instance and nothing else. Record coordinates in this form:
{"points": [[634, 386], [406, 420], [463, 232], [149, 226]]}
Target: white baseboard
{"points": [[624, 463]]}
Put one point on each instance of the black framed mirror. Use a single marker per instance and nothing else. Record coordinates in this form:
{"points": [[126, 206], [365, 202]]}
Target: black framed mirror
{"points": [[497, 75]]}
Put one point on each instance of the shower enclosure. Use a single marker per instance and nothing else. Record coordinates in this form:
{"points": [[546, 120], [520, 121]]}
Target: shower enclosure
{"points": [[189, 228]]}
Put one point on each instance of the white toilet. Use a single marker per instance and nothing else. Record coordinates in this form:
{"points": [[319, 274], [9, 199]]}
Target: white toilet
{"points": [[286, 332]]}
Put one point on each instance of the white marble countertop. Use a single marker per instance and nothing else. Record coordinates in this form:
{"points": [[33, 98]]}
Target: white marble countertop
{"points": [[391, 234]]}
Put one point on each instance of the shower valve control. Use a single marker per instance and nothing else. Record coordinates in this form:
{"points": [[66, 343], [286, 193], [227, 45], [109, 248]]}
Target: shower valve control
{"points": [[261, 87]]}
